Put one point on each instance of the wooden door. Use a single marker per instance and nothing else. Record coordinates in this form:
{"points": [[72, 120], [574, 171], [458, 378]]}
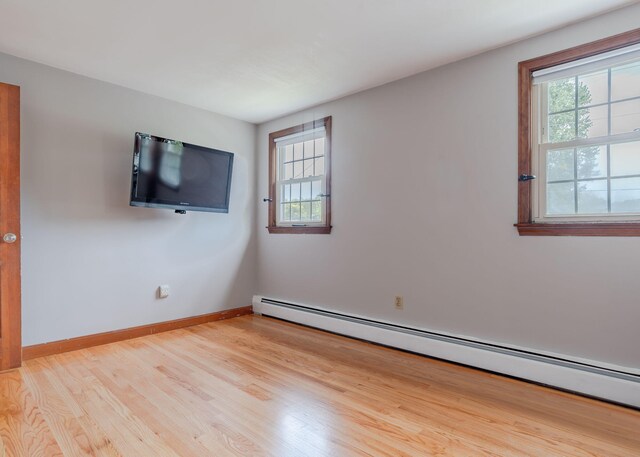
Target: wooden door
{"points": [[10, 338]]}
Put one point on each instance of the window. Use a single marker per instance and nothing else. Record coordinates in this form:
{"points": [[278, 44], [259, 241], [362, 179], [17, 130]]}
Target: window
{"points": [[580, 137], [300, 179]]}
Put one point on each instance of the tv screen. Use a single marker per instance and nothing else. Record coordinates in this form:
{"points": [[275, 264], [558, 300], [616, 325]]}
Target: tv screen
{"points": [[181, 176]]}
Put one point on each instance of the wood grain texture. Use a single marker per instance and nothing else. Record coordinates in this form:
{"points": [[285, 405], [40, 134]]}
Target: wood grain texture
{"points": [[526, 68], [81, 342], [10, 324], [255, 386], [580, 229]]}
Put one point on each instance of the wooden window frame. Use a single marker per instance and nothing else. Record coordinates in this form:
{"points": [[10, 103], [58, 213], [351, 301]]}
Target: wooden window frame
{"points": [[273, 167], [525, 224]]}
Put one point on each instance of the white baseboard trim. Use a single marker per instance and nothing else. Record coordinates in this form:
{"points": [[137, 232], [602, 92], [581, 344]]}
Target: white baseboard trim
{"points": [[592, 381]]}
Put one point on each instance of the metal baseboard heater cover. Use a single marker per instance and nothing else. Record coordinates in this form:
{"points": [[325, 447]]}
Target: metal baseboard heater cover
{"points": [[505, 350]]}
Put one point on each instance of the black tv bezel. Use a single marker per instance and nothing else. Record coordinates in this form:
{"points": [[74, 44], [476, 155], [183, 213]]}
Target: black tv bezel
{"points": [[165, 204]]}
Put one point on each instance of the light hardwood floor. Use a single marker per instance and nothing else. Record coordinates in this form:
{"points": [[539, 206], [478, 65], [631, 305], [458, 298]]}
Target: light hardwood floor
{"points": [[258, 386]]}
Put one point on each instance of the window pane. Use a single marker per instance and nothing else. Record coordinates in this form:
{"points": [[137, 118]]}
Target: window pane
{"points": [[308, 149], [562, 127], [299, 179], [592, 197], [592, 162], [560, 198], [316, 189], [319, 166], [305, 211], [625, 81], [285, 215], [305, 189], [295, 211], [288, 153], [285, 195], [562, 95], [316, 211], [288, 171], [560, 164], [320, 146], [308, 168], [625, 159], [593, 89], [625, 117], [295, 192], [625, 195], [593, 122]]}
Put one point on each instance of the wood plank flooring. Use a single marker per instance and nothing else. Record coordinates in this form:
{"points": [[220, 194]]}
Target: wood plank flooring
{"points": [[254, 386]]}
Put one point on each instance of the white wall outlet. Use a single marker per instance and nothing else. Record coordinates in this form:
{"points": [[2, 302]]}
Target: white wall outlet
{"points": [[163, 291], [399, 302]]}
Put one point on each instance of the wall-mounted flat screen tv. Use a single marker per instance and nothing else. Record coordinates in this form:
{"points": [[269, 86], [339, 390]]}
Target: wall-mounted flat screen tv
{"points": [[181, 176]]}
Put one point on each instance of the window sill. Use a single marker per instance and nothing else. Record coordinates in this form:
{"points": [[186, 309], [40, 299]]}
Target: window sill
{"points": [[580, 229], [300, 230]]}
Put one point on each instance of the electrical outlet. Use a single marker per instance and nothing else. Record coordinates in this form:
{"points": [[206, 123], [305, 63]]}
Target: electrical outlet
{"points": [[399, 302], [163, 291]]}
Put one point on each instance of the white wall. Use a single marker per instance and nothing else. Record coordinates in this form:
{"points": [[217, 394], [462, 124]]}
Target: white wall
{"points": [[91, 263], [424, 201]]}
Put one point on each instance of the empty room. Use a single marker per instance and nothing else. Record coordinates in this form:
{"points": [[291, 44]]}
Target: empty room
{"points": [[292, 228]]}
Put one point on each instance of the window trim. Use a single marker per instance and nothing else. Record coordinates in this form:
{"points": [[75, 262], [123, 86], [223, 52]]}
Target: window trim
{"points": [[526, 224], [272, 226]]}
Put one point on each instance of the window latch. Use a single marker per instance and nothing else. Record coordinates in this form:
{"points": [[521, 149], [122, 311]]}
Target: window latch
{"points": [[267, 200], [525, 178], [324, 195]]}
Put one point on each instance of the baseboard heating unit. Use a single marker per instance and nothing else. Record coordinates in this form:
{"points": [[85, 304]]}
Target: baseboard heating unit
{"points": [[608, 382]]}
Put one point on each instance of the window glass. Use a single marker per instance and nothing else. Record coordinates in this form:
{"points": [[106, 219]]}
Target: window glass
{"points": [[593, 88], [302, 160], [625, 81], [596, 168]]}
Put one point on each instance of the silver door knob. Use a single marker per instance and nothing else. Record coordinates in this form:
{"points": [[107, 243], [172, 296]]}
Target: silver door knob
{"points": [[9, 238]]}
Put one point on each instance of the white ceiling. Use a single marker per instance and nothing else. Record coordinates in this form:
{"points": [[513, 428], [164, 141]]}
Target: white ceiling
{"points": [[259, 59]]}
